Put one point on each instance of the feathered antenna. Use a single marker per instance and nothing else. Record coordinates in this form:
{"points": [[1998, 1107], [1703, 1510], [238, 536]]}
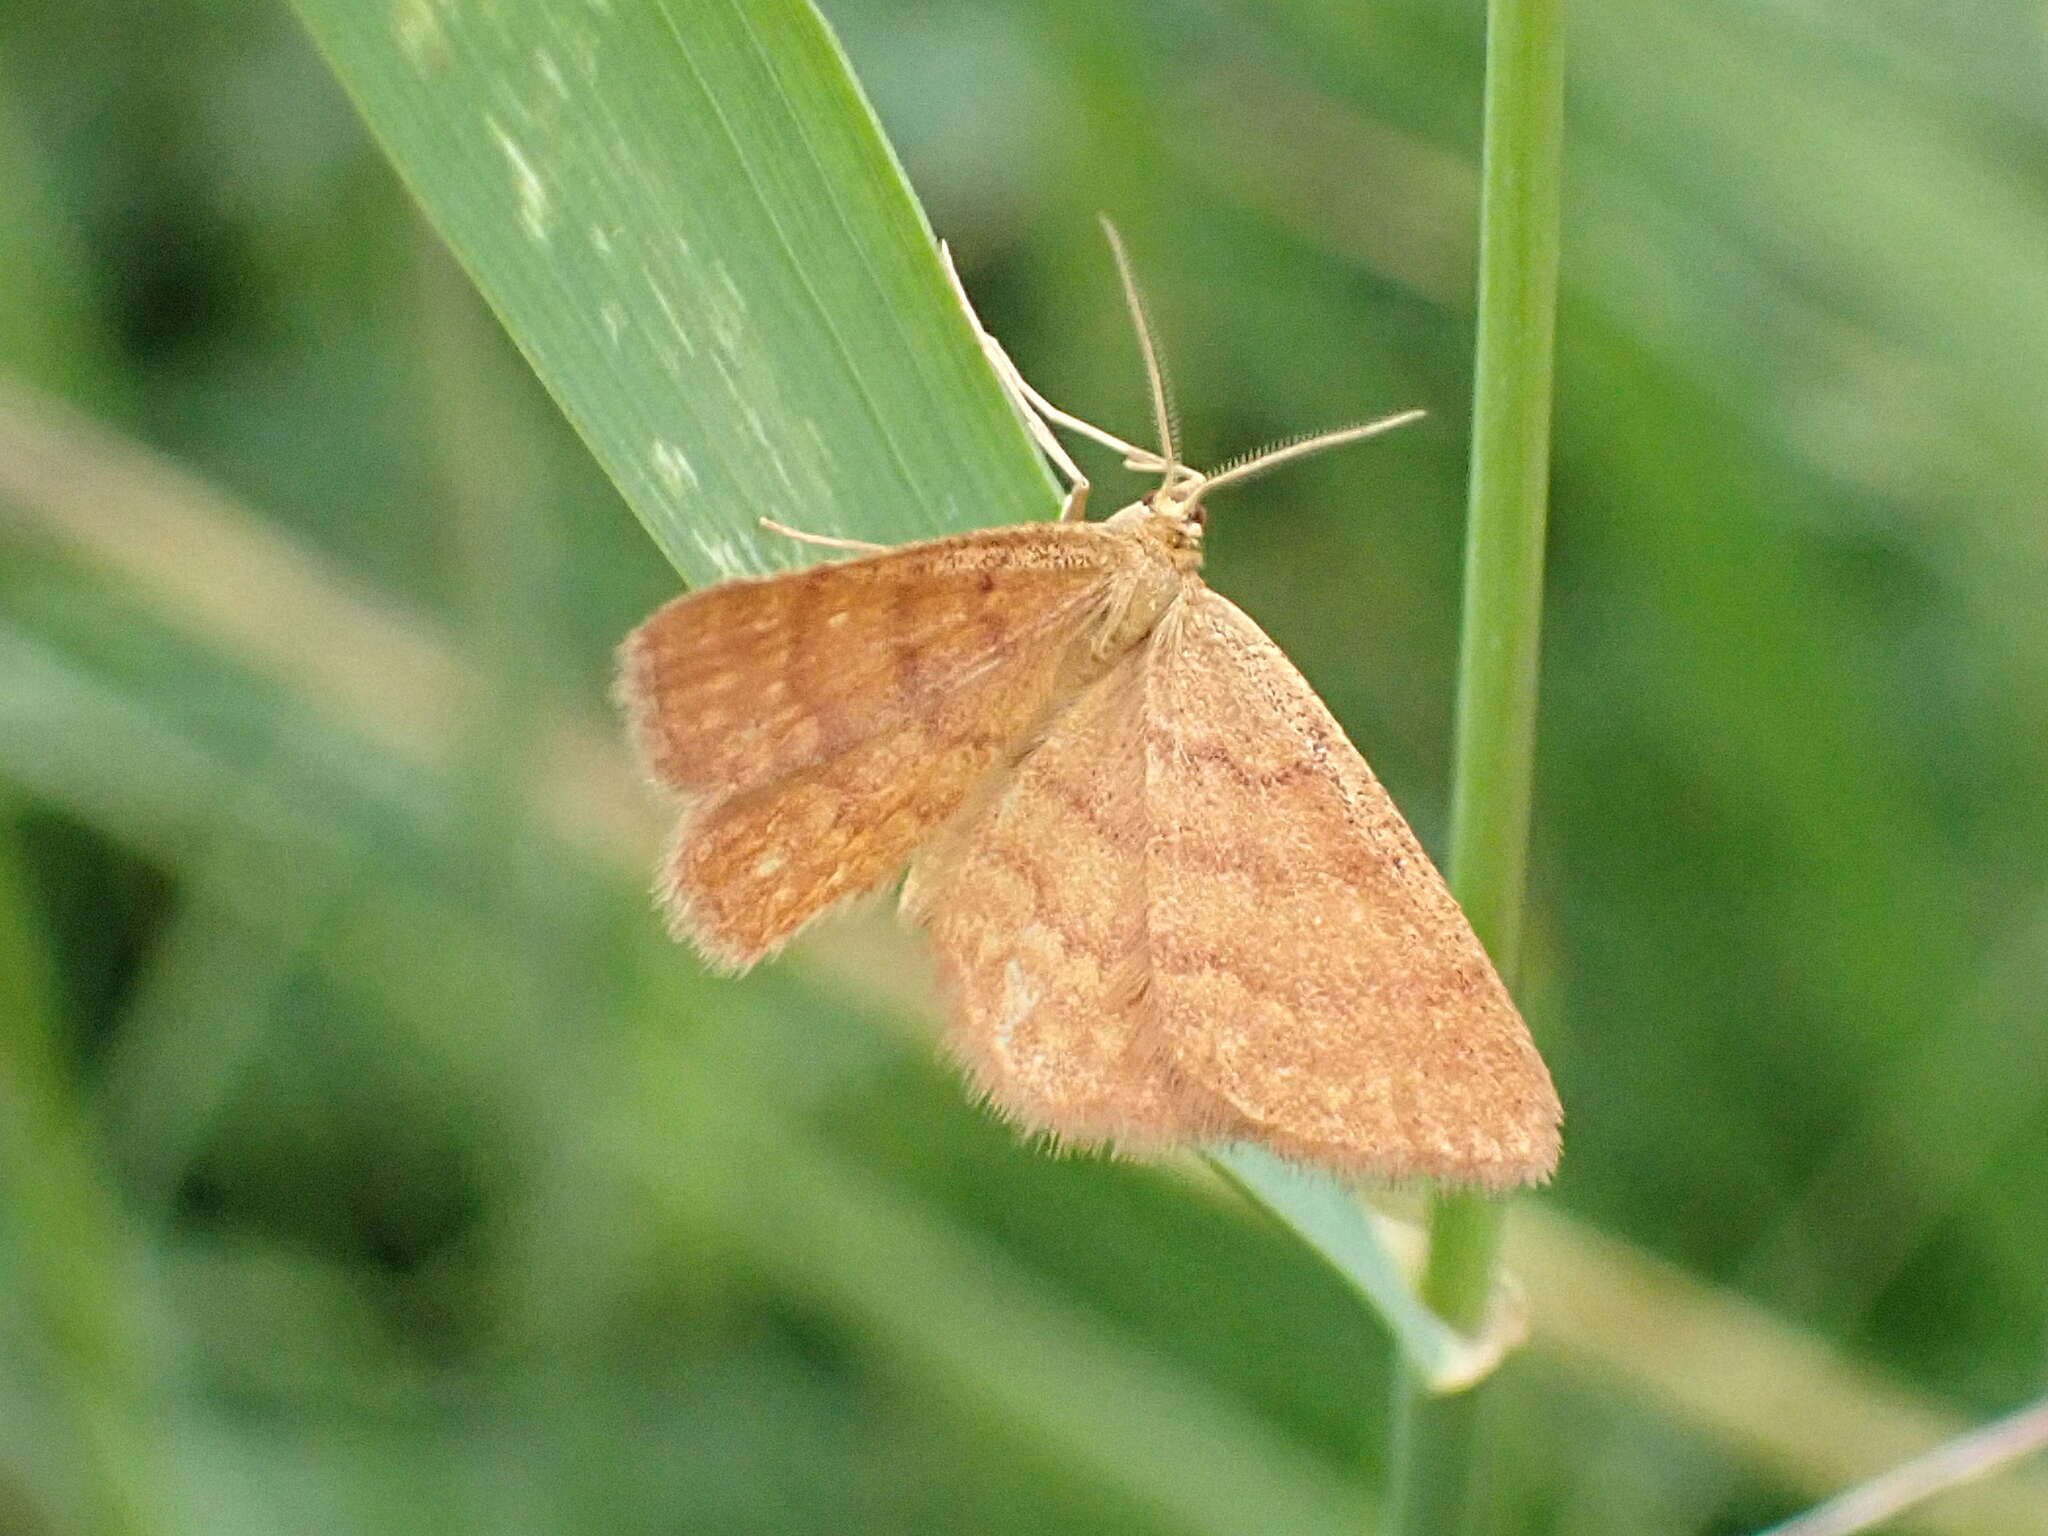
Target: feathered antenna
{"points": [[1155, 372], [1297, 448], [1185, 484]]}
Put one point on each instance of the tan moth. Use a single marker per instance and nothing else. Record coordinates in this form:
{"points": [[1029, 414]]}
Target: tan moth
{"points": [[1171, 905]]}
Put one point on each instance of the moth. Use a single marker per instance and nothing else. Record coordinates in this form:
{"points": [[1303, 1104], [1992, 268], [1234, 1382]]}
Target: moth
{"points": [[1170, 903]]}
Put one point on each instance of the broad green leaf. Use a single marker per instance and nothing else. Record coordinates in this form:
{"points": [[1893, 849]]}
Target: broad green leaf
{"points": [[686, 217]]}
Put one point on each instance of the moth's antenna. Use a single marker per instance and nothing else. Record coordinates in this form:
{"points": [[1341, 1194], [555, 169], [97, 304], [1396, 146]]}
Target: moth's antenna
{"points": [[1155, 374], [1258, 464]]}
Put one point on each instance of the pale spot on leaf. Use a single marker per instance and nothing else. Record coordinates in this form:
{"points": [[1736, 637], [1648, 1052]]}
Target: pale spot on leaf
{"points": [[675, 471], [422, 34], [531, 192], [551, 72]]}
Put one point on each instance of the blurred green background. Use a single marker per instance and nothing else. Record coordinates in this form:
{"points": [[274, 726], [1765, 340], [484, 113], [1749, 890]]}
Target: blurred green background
{"points": [[373, 1164]]}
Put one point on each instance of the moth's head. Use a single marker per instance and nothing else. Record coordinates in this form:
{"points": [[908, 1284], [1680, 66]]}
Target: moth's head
{"points": [[1177, 507], [1171, 517]]}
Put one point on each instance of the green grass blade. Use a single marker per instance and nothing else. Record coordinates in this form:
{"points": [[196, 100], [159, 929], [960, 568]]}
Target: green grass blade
{"points": [[1435, 1482], [685, 216], [1329, 1218]]}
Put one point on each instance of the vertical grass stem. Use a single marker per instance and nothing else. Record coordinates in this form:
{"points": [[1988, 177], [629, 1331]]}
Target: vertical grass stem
{"points": [[1434, 1474]]}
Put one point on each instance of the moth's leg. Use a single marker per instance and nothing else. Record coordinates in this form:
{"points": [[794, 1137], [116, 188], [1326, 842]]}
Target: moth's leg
{"points": [[1023, 400], [1076, 506], [824, 540], [1020, 393], [1041, 410], [1040, 415]]}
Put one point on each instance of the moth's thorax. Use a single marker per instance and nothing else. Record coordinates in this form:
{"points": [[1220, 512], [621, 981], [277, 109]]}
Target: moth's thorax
{"points": [[1167, 524], [1163, 546]]}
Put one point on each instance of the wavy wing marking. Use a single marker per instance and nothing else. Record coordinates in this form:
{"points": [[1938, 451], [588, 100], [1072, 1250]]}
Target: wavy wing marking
{"points": [[1308, 966], [1035, 902]]}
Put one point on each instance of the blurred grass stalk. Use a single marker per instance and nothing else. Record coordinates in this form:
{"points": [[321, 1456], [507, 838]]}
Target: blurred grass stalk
{"points": [[66, 1230], [1436, 1451]]}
